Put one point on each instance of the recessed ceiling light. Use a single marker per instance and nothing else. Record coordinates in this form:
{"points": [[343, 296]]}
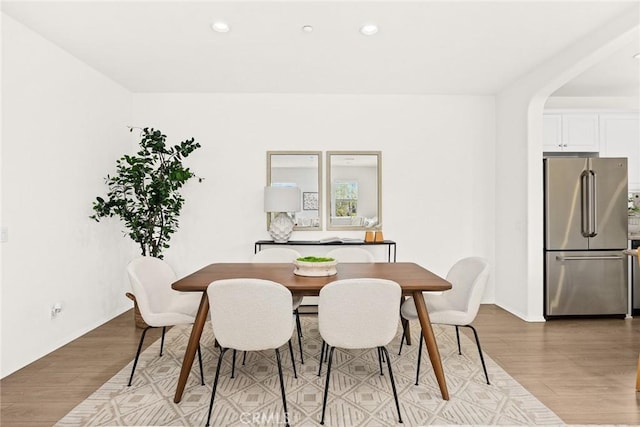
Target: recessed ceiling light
{"points": [[307, 28], [637, 55], [369, 29], [220, 27]]}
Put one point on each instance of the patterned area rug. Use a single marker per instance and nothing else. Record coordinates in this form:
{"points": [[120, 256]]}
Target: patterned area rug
{"points": [[358, 394]]}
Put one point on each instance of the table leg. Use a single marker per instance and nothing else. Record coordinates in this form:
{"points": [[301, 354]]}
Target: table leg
{"points": [[192, 346], [430, 340]]}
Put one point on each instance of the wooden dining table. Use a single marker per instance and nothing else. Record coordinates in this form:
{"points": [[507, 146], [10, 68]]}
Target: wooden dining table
{"points": [[413, 280]]}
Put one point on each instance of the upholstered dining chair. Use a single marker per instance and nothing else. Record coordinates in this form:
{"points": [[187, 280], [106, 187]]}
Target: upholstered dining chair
{"points": [[250, 315], [458, 306], [284, 255], [350, 254], [359, 314], [159, 305]]}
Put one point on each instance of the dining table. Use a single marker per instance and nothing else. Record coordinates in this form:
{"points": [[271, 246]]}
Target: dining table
{"points": [[412, 278]]}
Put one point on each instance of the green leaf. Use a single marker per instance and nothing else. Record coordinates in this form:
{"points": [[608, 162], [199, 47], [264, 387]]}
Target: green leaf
{"points": [[144, 192]]}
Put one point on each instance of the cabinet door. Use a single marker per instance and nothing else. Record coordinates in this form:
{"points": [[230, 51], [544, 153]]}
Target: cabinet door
{"points": [[580, 132], [620, 137], [552, 132]]}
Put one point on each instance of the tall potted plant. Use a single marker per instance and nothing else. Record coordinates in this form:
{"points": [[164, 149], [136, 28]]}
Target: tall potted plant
{"points": [[145, 191], [145, 194]]}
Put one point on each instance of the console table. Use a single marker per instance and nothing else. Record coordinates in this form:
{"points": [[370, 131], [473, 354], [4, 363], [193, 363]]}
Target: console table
{"points": [[390, 244]]}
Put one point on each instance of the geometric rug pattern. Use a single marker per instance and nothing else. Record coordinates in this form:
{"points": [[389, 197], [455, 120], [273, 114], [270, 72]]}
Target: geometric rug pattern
{"points": [[358, 394]]}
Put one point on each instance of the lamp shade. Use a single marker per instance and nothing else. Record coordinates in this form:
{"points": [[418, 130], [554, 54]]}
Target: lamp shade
{"points": [[281, 199]]}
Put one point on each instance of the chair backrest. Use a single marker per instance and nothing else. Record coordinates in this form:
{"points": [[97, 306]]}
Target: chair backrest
{"points": [[151, 280], [468, 278], [350, 254], [250, 314], [359, 313], [276, 255]]}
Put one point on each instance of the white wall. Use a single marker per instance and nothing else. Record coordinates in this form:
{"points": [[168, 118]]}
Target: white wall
{"points": [[64, 125], [437, 167]]}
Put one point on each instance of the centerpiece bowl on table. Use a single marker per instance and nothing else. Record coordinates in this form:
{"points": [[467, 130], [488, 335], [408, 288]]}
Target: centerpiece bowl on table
{"points": [[312, 266]]}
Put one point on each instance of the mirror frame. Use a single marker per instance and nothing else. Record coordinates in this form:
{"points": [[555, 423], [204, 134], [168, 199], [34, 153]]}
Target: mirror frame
{"points": [[329, 196], [318, 154]]}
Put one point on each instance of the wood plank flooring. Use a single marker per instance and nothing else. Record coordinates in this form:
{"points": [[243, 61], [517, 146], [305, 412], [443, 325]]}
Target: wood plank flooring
{"points": [[584, 370]]}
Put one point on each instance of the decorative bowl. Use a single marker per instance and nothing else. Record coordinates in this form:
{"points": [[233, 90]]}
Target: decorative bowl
{"points": [[315, 267]]}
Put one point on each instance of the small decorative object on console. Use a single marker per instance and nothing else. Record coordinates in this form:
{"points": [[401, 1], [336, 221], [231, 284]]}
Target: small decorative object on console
{"points": [[281, 200], [311, 266]]}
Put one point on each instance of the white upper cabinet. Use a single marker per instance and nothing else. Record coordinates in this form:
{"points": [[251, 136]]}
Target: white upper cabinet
{"points": [[577, 132], [620, 137], [552, 132]]}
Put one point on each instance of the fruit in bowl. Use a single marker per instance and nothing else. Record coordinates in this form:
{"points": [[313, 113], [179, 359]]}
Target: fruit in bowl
{"points": [[313, 266]]}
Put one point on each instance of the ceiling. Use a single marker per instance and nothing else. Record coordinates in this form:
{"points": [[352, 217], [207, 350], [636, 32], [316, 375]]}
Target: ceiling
{"points": [[452, 47], [617, 75]]}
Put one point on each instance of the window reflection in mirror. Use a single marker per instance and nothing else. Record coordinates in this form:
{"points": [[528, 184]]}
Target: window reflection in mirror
{"points": [[302, 169], [354, 197]]}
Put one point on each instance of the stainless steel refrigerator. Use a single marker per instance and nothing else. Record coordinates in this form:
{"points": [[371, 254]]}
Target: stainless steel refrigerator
{"points": [[585, 232]]}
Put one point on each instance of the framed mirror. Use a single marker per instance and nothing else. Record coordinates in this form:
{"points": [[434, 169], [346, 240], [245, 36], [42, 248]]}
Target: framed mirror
{"points": [[302, 169], [354, 199]]}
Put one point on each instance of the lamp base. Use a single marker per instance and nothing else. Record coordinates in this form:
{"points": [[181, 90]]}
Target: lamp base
{"points": [[281, 228]]}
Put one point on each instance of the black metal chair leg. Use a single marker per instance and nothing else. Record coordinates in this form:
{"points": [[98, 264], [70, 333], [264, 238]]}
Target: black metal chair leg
{"points": [[484, 367], [164, 328], [326, 385], [419, 357], [233, 364], [458, 339], [284, 397], [384, 351], [405, 324], [135, 362], [215, 384], [244, 357], [380, 360], [293, 360], [321, 357], [200, 362], [299, 328]]}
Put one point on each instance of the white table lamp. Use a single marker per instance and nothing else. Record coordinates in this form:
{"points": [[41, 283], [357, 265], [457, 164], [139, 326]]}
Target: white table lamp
{"points": [[281, 200]]}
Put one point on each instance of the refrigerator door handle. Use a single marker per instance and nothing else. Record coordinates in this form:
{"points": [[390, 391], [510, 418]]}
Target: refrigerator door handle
{"points": [[584, 204], [581, 258], [593, 203]]}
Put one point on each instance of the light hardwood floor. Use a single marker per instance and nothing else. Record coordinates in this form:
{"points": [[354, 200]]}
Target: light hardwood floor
{"points": [[583, 369]]}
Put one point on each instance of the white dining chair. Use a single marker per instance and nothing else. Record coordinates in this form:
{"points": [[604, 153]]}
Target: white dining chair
{"points": [[284, 255], [350, 254], [159, 305], [250, 315], [458, 306], [359, 314]]}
